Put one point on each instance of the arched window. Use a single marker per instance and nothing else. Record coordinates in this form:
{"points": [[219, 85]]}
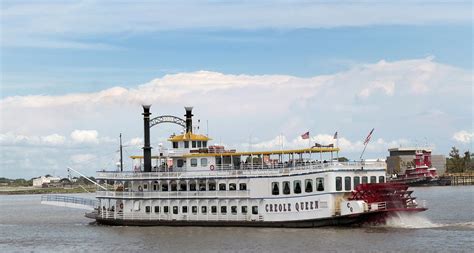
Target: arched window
{"points": [[381, 179], [320, 184], [182, 186], [356, 181], [309, 185], [173, 186], [347, 183], [212, 185], [222, 187], [232, 187], [338, 183], [275, 188], [364, 180], [286, 187], [373, 179], [192, 186], [297, 186]]}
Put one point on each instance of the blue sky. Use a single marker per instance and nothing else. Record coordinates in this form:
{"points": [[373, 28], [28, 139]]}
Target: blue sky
{"points": [[79, 70]]}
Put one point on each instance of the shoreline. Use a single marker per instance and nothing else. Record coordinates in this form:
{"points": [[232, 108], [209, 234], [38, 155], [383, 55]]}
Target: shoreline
{"points": [[24, 190]]}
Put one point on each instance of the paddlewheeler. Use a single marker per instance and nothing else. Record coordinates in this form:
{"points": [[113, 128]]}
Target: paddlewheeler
{"points": [[193, 183]]}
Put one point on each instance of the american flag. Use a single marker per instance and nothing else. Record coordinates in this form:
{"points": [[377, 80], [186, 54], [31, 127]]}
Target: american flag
{"points": [[305, 136], [335, 135], [368, 137]]}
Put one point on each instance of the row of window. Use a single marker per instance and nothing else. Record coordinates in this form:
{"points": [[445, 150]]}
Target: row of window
{"points": [[297, 186], [193, 186], [194, 162], [356, 180], [204, 209], [194, 144]]}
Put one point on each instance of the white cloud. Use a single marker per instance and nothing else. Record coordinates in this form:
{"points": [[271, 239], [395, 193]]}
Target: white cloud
{"points": [[82, 158], [54, 139], [137, 141], [262, 106], [463, 136], [62, 24], [85, 136]]}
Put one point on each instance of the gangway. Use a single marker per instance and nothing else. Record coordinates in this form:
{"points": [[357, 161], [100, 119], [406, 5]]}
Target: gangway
{"points": [[69, 201]]}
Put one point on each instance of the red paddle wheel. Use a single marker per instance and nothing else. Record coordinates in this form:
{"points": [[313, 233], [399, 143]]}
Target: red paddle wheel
{"points": [[385, 199]]}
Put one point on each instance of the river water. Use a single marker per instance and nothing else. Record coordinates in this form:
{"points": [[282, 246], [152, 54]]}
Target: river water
{"points": [[448, 226]]}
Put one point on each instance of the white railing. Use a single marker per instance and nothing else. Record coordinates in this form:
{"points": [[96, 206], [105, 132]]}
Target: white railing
{"points": [[238, 172], [107, 214], [171, 194]]}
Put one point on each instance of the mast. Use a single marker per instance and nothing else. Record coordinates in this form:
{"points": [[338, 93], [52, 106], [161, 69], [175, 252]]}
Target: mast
{"points": [[121, 154]]}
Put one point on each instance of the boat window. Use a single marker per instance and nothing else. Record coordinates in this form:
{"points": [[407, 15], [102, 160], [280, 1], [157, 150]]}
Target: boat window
{"points": [[297, 186], [192, 186], [347, 183], [213, 209], [222, 187], [356, 181], [157, 209], [233, 209], [145, 186], [164, 187], [320, 184], [175, 210], [186, 144], [194, 209], [175, 145], [204, 144], [255, 209], [338, 183], [243, 209], [203, 162], [373, 179], [198, 144], [381, 179], [223, 209], [155, 187], [183, 186], [194, 162], [194, 144], [166, 209], [174, 186], [147, 209], [364, 180], [212, 186], [184, 209], [309, 185], [202, 185], [203, 209], [275, 188], [180, 163], [286, 187], [243, 186], [232, 187]]}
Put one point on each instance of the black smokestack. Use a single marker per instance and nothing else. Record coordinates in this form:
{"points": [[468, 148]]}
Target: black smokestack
{"points": [[146, 147], [189, 119]]}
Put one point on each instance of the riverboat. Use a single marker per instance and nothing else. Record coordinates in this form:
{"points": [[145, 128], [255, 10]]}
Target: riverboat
{"points": [[194, 183]]}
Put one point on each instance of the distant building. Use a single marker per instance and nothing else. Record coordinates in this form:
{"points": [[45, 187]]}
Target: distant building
{"points": [[401, 158], [43, 180]]}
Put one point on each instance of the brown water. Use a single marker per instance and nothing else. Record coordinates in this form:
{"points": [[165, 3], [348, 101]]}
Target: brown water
{"points": [[448, 226]]}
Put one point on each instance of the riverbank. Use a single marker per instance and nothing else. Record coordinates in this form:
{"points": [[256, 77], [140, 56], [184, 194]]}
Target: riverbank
{"points": [[18, 190]]}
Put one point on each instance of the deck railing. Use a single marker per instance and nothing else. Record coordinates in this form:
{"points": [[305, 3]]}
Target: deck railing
{"points": [[173, 194], [238, 171], [69, 201]]}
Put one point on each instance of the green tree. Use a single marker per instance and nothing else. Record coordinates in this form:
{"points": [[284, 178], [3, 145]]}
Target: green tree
{"points": [[456, 163]]}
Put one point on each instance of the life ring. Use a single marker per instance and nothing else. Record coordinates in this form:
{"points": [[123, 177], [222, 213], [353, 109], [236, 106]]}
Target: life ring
{"points": [[140, 188], [212, 167], [121, 205]]}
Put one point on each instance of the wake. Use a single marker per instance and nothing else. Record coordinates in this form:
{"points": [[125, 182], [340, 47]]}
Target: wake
{"points": [[403, 220]]}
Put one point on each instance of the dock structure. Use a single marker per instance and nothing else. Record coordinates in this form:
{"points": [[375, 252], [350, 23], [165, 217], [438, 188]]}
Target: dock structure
{"points": [[461, 178]]}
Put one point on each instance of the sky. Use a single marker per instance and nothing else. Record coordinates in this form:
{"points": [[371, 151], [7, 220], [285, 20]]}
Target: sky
{"points": [[74, 75]]}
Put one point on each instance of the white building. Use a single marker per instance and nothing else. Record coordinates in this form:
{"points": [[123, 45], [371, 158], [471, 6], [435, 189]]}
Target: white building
{"points": [[38, 182]]}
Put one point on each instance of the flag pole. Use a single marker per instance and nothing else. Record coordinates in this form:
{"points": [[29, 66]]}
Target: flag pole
{"points": [[365, 146]]}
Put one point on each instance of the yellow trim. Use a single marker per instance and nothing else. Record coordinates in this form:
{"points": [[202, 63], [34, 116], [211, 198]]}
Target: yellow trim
{"points": [[189, 137], [274, 152]]}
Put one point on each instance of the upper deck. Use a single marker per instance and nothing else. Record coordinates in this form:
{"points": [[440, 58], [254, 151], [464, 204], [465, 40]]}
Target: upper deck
{"points": [[244, 171]]}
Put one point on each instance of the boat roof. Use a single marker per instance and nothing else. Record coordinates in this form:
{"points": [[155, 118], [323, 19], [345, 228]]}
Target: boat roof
{"points": [[271, 152], [189, 136]]}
